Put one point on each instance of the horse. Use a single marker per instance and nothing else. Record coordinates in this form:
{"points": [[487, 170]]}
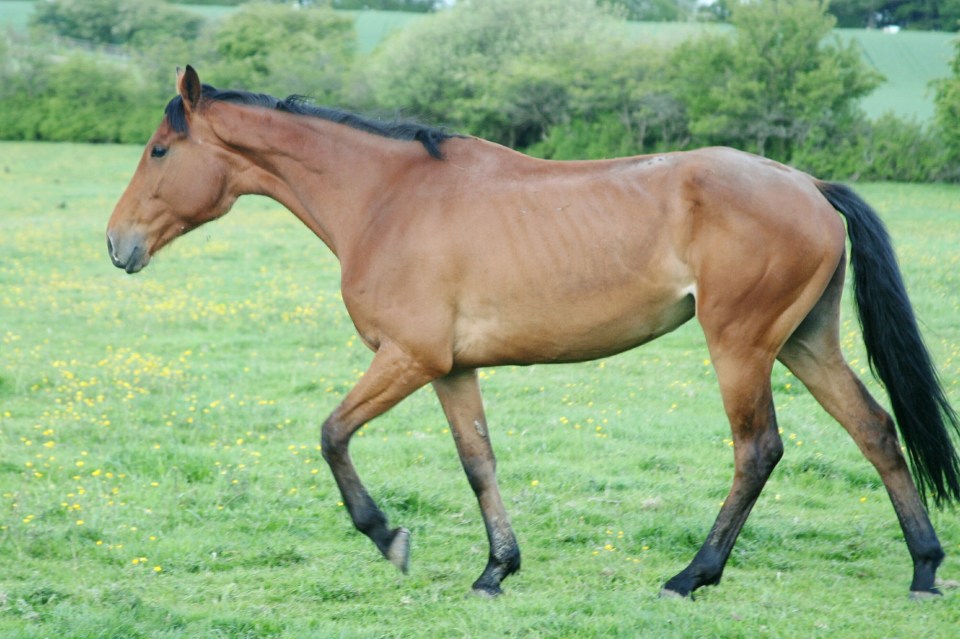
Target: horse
{"points": [[457, 253]]}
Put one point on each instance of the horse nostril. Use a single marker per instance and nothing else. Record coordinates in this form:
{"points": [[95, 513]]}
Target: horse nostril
{"points": [[111, 251]]}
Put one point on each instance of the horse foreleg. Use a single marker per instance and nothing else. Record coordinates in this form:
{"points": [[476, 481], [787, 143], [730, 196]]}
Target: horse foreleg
{"points": [[392, 376], [459, 395], [757, 449]]}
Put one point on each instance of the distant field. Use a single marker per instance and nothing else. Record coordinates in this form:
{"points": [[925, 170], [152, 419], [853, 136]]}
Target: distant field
{"points": [[909, 60], [14, 15], [373, 26]]}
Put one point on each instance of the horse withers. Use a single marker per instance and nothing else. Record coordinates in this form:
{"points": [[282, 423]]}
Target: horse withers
{"points": [[457, 253]]}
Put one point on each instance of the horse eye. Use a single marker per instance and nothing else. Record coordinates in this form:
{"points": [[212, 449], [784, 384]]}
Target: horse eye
{"points": [[158, 151]]}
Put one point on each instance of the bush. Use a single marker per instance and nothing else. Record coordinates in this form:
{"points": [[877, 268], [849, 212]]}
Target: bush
{"points": [[279, 48], [655, 10], [774, 83], [83, 99], [890, 149], [905, 151], [94, 101], [114, 22], [605, 137], [947, 103], [501, 69]]}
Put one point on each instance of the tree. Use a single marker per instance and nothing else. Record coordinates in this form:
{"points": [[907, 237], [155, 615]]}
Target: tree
{"points": [[418, 6], [947, 104], [278, 48], [925, 14], [775, 80], [655, 10], [913, 14], [502, 69], [857, 14], [114, 22]]}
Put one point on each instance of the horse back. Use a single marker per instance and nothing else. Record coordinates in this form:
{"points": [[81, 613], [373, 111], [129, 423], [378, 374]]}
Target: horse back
{"points": [[509, 259]]}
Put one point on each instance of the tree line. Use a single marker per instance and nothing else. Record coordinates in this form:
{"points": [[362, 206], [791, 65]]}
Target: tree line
{"points": [[934, 15], [557, 80]]}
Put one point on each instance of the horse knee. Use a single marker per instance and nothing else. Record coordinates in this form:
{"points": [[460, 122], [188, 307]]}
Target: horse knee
{"points": [[333, 445]]}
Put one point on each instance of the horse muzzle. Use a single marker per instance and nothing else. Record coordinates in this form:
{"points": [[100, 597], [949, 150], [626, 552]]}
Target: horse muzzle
{"points": [[127, 252]]}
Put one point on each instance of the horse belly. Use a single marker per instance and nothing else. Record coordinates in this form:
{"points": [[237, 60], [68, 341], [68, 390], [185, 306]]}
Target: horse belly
{"points": [[545, 330]]}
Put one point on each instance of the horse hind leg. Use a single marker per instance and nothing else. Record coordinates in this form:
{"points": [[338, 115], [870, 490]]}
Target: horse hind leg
{"points": [[745, 386], [813, 354], [745, 322]]}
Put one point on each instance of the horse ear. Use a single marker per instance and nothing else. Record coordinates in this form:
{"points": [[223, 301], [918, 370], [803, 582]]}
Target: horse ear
{"points": [[189, 87]]}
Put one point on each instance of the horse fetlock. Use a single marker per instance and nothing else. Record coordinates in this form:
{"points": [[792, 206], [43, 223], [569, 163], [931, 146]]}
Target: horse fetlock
{"points": [[488, 584], [506, 558], [500, 565], [925, 564]]}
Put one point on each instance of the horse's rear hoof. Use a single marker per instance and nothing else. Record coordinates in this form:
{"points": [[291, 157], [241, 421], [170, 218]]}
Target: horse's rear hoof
{"points": [[399, 551], [921, 595], [666, 593], [487, 592]]}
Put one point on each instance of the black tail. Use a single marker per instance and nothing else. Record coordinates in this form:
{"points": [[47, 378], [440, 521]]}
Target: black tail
{"points": [[897, 354]]}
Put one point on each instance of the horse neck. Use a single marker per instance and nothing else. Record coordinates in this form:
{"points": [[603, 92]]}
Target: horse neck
{"points": [[327, 174]]}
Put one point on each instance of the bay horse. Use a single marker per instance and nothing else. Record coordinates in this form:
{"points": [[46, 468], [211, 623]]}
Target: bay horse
{"points": [[457, 253]]}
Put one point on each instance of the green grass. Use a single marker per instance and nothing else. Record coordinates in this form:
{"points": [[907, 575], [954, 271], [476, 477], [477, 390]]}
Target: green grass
{"points": [[160, 474]]}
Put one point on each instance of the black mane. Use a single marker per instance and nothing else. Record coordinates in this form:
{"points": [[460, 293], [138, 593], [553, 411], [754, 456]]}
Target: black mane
{"points": [[431, 138]]}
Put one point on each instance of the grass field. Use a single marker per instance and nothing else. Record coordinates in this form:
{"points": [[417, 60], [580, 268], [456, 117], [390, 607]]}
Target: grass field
{"points": [[910, 61], [161, 476]]}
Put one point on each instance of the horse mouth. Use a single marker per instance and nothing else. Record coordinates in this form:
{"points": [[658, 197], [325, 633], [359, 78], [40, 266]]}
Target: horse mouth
{"points": [[134, 261], [135, 264]]}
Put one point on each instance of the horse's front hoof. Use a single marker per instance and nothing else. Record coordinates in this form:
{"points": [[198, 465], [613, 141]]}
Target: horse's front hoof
{"points": [[399, 551], [921, 595]]}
